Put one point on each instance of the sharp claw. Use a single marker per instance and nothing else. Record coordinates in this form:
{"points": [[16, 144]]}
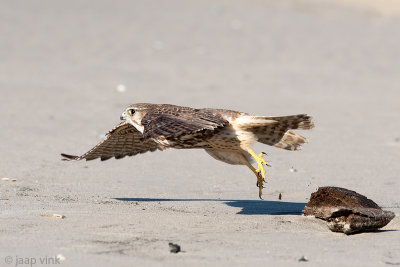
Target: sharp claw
{"points": [[260, 171], [259, 186]]}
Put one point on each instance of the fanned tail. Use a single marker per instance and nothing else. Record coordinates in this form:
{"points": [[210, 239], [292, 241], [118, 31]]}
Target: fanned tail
{"points": [[277, 131]]}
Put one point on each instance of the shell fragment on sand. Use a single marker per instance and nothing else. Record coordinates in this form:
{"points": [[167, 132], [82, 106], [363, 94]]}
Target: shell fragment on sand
{"points": [[6, 179], [57, 216], [346, 211], [61, 257]]}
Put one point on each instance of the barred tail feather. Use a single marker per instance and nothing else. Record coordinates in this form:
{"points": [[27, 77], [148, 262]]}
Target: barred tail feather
{"points": [[301, 121], [289, 141], [276, 131]]}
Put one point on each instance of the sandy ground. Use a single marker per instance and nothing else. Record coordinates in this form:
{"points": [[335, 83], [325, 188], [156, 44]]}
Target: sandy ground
{"points": [[60, 65]]}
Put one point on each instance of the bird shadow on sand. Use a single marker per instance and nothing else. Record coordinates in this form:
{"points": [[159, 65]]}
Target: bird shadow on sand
{"points": [[248, 207]]}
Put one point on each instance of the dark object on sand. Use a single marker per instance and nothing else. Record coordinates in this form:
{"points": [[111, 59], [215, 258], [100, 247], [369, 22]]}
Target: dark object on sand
{"points": [[174, 248], [346, 211], [303, 259], [280, 196]]}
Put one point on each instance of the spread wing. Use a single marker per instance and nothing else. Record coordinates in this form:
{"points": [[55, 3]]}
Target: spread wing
{"points": [[123, 140], [172, 123]]}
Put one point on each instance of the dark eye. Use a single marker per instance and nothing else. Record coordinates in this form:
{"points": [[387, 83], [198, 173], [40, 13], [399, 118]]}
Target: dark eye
{"points": [[131, 111]]}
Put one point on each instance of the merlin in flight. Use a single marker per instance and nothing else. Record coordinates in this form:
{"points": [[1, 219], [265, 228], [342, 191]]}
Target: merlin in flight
{"points": [[226, 135]]}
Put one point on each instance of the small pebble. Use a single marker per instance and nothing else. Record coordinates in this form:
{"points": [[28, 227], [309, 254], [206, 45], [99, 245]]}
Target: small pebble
{"points": [[303, 259], [121, 88], [174, 248], [60, 257], [57, 216], [6, 179], [293, 170]]}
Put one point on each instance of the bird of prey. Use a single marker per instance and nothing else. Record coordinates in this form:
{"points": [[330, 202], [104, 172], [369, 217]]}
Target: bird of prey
{"points": [[226, 135]]}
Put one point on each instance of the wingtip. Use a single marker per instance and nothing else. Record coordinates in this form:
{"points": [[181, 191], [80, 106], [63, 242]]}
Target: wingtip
{"points": [[69, 157]]}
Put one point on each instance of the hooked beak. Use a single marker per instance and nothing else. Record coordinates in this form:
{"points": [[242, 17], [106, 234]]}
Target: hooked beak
{"points": [[123, 116]]}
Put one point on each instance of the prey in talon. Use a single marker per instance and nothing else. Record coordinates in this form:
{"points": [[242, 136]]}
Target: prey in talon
{"points": [[226, 135]]}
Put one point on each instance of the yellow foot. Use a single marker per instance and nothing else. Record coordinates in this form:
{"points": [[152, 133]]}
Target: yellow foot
{"points": [[259, 172]]}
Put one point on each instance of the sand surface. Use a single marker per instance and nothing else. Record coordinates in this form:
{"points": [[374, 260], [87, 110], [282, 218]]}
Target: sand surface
{"points": [[61, 63]]}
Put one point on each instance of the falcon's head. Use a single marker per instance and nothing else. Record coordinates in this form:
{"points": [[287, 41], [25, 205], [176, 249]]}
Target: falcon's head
{"points": [[135, 113]]}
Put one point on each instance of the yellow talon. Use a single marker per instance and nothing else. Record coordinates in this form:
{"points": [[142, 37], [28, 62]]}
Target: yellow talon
{"points": [[259, 172], [260, 161]]}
